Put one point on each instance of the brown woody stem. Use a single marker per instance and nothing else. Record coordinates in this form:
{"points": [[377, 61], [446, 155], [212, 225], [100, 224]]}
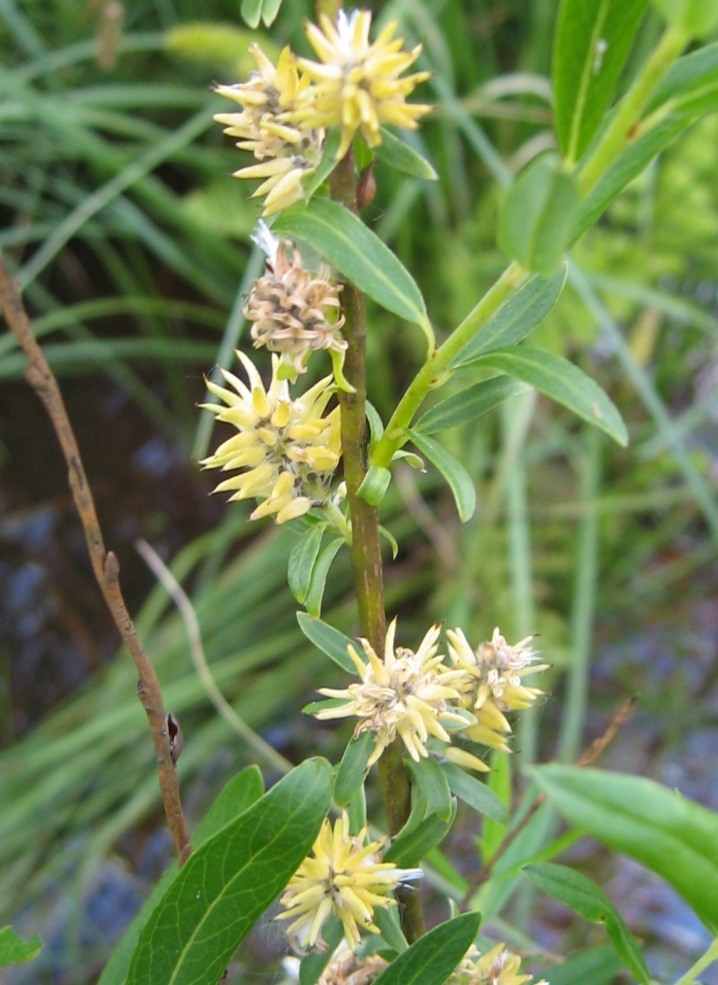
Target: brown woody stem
{"points": [[366, 545], [104, 563]]}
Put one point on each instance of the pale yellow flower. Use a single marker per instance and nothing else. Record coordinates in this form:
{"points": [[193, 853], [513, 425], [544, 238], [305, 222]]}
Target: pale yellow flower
{"points": [[404, 694], [342, 876], [287, 154], [497, 967], [293, 312], [492, 683], [286, 450], [356, 85]]}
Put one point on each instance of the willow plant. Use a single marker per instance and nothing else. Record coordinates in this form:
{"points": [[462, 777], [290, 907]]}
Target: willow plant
{"points": [[432, 715]]}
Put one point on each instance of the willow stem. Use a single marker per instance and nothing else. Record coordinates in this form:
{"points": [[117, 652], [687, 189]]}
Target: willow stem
{"points": [[365, 543], [105, 565]]}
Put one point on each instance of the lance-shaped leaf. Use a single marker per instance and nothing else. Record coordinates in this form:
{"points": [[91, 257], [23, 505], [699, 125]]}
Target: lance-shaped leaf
{"points": [[455, 474], [630, 162], [524, 310], [352, 769], [593, 40], [564, 383], [689, 82], [302, 559], [474, 793], [399, 155], [470, 404], [433, 784], [357, 253], [318, 579], [255, 10], [431, 959], [236, 796], [669, 834], [538, 215], [408, 849], [585, 898], [388, 921], [230, 881], [329, 640]]}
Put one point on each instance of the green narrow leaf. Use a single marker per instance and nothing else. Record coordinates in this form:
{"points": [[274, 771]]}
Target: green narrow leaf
{"points": [[270, 9], [593, 40], [459, 480], [563, 382], [630, 162], [376, 425], [474, 793], [409, 849], [387, 920], [391, 541], [230, 881], [357, 253], [695, 74], [318, 580], [352, 768], [585, 898], [302, 559], [470, 404], [328, 640], [431, 959], [516, 318], [499, 782], [669, 834], [14, 950], [538, 216], [251, 11], [236, 796], [432, 781], [399, 155], [327, 164]]}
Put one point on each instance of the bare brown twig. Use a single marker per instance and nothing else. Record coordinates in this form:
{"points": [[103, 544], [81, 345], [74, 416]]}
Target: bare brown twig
{"points": [[593, 752], [104, 563]]}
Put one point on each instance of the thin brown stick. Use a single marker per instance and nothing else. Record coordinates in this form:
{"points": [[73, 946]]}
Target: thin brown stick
{"points": [[104, 563], [595, 750]]}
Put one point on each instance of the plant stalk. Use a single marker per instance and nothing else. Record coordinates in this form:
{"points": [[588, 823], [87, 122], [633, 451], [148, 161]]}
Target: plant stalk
{"points": [[365, 545], [439, 361]]}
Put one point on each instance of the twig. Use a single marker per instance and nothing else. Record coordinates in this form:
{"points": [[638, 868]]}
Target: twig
{"points": [[595, 750], [194, 638], [104, 563]]}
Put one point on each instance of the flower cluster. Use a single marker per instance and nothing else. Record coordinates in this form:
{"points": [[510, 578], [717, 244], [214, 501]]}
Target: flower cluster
{"points": [[344, 877], [491, 683], [286, 449], [287, 109], [415, 695], [286, 153], [356, 84], [497, 967]]}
